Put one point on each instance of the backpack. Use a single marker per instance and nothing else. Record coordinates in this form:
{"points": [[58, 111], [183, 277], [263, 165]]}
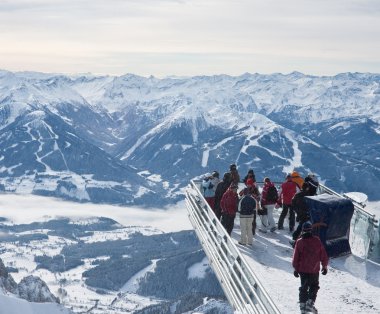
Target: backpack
{"points": [[272, 194]]}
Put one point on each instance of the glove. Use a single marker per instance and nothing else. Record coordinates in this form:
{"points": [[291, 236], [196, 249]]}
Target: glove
{"points": [[324, 271], [296, 274]]}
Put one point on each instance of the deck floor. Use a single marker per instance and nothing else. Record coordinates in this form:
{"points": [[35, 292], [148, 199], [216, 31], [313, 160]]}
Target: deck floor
{"points": [[352, 284]]}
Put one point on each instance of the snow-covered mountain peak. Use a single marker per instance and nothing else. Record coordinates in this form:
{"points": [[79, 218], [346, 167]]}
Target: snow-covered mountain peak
{"points": [[108, 128]]}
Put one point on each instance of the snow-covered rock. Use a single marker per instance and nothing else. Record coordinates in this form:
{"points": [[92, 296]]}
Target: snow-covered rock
{"points": [[33, 289], [7, 283], [22, 297]]}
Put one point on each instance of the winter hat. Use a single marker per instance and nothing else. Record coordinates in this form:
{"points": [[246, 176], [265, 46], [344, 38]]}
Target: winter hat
{"points": [[295, 174], [215, 174], [306, 227], [250, 171], [250, 182]]}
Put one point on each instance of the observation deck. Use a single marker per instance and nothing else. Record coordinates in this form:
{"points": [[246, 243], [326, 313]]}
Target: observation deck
{"points": [[259, 278]]}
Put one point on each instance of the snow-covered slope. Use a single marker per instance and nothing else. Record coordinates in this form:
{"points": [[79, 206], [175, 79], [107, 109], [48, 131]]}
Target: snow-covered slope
{"points": [[139, 140], [13, 305]]}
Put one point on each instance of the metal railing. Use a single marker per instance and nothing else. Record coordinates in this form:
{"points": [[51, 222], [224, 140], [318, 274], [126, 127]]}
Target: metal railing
{"points": [[239, 283]]}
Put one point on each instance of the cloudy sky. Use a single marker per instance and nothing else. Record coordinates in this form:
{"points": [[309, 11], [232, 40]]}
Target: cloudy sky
{"points": [[190, 37]]}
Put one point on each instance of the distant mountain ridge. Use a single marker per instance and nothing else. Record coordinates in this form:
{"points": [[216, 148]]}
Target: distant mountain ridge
{"points": [[137, 140]]}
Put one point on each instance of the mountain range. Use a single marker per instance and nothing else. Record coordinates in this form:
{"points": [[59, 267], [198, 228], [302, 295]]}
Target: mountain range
{"points": [[139, 140]]}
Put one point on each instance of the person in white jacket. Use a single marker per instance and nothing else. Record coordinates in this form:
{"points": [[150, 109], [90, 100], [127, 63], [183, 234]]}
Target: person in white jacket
{"points": [[209, 184]]}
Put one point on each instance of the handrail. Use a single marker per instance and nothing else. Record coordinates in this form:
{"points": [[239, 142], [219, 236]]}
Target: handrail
{"points": [[358, 206], [240, 284]]}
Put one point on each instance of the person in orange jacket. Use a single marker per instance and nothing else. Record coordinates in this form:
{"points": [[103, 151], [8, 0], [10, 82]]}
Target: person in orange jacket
{"points": [[297, 179]]}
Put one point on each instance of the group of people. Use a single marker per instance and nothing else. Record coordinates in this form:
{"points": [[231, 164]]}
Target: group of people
{"points": [[225, 200], [309, 252]]}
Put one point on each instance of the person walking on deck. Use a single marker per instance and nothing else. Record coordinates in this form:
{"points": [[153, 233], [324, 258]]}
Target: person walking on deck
{"points": [[309, 253], [235, 177], [250, 178], [247, 210], [288, 190], [297, 179], [221, 188], [209, 186], [302, 210], [269, 196], [229, 205], [256, 195]]}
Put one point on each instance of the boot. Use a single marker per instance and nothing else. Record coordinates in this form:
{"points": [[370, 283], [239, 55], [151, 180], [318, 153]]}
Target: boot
{"points": [[310, 306], [303, 308]]}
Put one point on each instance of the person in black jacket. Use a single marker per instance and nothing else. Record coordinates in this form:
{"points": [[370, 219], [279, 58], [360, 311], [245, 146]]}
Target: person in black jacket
{"points": [[250, 175], [247, 210], [235, 177], [300, 207], [221, 188]]}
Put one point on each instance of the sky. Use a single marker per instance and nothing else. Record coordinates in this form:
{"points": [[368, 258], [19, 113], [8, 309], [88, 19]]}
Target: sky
{"points": [[190, 37]]}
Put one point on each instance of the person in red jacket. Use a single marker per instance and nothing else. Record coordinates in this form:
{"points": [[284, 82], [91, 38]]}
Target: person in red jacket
{"points": [[309, 253], [229, 206], [288, 190]]}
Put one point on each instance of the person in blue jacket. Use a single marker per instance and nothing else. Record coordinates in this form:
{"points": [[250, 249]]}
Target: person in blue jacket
{"points": [[247, 210]]}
